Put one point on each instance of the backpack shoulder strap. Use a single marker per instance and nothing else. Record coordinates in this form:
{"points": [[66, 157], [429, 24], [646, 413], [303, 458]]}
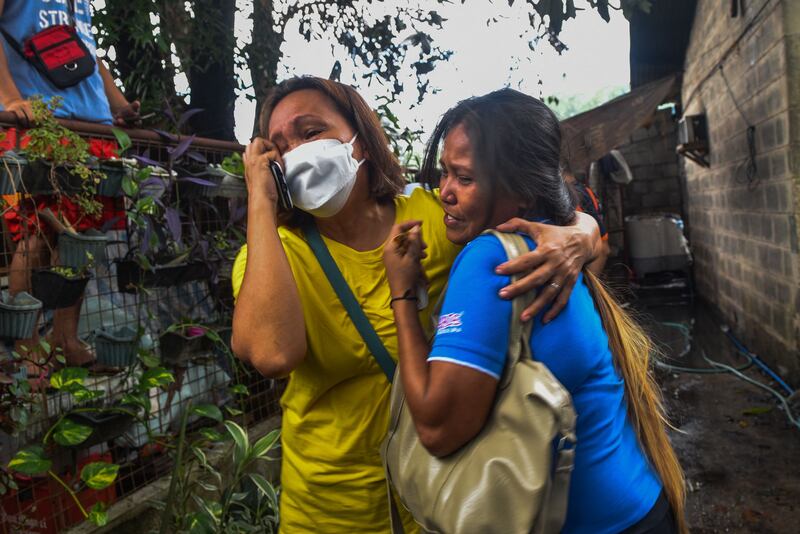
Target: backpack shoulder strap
{"points": [[519, 348]]}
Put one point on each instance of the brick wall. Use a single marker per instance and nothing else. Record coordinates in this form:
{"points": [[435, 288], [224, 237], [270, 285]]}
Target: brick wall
{"points": [[744, 235]]}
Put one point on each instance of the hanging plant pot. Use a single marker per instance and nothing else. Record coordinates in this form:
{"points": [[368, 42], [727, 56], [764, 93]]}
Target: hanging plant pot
{"points": [[116, 348], [222, 291], [58, 287], [114, 171], [18, 316], [74, 249], [130, 275], [38, 177], [230, 185], [196, 181], [179, 348], [12, 168], [106, 425]]}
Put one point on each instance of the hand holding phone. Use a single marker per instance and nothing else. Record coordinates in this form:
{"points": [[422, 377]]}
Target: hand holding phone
{"points": [[284, 198]]}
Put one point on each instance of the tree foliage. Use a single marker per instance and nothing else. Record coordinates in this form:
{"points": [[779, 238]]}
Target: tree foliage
{"points": [[154, 40]]}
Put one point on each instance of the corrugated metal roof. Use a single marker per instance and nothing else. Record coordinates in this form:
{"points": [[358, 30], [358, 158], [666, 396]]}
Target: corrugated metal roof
{"points": [[592, 134]]}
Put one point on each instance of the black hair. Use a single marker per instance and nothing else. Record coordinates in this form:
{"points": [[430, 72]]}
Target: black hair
{"points": [[516, 143]]}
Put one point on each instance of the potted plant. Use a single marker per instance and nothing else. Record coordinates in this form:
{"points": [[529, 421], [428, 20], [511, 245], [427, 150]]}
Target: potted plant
{"points": [[199, 180], [116, 348], [113, 167], [158, 256], [106, 422], [180, 344], [218, 250], [76, 250], [43, 177], [18, 405], [232, 184], [58, 160], [189, 167], [18, 315], [114, 171], [85, 425], [135, 273], [12, 167], [59, 287]]}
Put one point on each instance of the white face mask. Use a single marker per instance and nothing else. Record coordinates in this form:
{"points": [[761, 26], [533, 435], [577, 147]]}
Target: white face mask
{"points": [[320, 175]]}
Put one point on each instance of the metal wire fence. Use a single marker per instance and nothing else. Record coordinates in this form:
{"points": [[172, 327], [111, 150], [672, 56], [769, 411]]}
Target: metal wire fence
{"points": [[129, 314]]}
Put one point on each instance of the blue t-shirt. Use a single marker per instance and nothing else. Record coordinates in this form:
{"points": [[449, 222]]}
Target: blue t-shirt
{"points": [[85, 101], [613, 485]]}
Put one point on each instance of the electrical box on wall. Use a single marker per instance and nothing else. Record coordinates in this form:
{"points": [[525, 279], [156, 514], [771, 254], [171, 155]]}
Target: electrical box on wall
{"points": [[693, 139]]}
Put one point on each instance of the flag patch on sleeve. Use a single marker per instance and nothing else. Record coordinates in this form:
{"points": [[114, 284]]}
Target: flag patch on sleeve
{"points": [[449, 323]]}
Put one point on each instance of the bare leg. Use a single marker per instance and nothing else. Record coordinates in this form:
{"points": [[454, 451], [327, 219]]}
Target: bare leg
{"points": [[31, 253], [65, 335]]}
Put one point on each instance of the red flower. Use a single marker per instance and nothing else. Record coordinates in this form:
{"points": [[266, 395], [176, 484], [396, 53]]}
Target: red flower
{"points": [[103, 148], [8, 140]]}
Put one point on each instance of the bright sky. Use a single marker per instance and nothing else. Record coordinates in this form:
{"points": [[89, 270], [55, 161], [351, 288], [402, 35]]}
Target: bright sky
{"points": [[484, 58]]}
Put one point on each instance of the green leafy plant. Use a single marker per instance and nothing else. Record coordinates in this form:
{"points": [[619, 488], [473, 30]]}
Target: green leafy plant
{"points": [[230, 503], [71, 273], [234, 164], [403, 140], [66, 432], [233, 500], [60, 148], [17, 399]]}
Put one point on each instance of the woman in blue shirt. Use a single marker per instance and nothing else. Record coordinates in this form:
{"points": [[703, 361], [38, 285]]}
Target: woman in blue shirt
{"points": [[500, 160]]}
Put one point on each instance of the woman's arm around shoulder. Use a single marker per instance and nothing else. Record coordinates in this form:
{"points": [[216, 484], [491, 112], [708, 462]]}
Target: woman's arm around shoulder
{"points": [[554, 266]]}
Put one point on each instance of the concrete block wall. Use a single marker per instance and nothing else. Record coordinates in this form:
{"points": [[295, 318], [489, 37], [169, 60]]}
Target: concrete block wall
{"points": [[656, 187], [650, 154], [744, 234]]}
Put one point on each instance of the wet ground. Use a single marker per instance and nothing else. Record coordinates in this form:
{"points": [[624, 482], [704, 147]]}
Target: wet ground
{"points": [[740, 454]]}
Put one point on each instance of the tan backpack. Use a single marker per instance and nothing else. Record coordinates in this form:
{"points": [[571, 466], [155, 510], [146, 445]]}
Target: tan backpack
{"points": [[506, 480]]}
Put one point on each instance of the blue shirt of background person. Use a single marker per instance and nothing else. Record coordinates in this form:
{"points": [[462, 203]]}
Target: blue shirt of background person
{"points": [[613, 485], [85, 101]]}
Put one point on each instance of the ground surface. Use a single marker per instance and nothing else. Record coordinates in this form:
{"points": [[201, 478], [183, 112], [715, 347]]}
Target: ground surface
{"points": [[740, 454]]}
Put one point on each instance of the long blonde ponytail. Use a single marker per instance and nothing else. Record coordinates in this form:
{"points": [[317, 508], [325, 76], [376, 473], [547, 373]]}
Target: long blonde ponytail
{"points": [[631, 349]]}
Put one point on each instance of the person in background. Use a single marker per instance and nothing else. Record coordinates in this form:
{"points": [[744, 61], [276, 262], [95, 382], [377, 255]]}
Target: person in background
{"points": [[588, 203], [288, 321], [500, 158], [94, 99]]}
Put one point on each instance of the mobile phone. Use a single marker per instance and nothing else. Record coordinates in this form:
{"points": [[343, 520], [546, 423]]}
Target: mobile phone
{"points": [[137, 120], [284, 198]]}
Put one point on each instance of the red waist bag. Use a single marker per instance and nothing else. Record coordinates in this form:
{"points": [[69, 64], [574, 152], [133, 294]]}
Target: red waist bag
{"points": [[58, 53]]}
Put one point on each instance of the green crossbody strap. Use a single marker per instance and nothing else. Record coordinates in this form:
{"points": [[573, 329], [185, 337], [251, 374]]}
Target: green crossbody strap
{"points": [[345, 294]]}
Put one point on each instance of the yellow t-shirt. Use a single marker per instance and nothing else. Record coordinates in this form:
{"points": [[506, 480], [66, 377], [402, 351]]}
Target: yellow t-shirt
{"points": [[336, 405]]}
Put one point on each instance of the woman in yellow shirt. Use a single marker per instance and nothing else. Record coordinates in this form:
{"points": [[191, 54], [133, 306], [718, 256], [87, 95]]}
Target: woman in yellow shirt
{"points": [[289, 321]]}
